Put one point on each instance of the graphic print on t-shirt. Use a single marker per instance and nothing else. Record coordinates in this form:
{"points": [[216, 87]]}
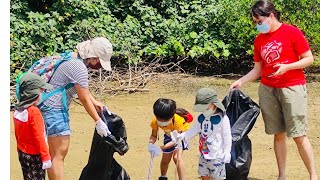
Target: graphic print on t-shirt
{"points": [[207, 135], [271, 51], [203, 147]]}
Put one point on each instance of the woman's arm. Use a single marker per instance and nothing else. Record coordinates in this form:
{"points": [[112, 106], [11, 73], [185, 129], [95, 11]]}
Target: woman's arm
{"points": [[305, 61], [97, 104], [252, 75], [84, 97]]}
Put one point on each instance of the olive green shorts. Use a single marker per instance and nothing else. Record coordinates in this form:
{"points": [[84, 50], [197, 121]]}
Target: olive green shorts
{"points": [[284, 109]]}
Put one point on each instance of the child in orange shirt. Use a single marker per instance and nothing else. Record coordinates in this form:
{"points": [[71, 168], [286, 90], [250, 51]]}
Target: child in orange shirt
{"points": [[29, 127]]}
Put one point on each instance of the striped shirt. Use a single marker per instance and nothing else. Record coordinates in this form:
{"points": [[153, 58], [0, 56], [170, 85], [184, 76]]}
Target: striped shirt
{"points": [[72, 71]]}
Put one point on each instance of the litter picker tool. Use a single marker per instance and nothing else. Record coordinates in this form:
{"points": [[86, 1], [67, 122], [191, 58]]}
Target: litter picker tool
{"points": [[150, 165]]}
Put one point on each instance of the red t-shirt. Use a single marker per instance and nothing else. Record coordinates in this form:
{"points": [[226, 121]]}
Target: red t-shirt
{"points": [[30, 135], [283, 46]]}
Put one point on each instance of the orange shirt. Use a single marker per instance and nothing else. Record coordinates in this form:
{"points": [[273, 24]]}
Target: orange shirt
{"points": [[30, 135]]}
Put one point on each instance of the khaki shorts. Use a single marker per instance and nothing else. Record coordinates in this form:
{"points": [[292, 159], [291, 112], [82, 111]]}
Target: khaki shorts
{"points": [[284, 109]]}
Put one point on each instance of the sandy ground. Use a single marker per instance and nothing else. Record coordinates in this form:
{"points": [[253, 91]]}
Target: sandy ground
{"points": [[136, 111]]}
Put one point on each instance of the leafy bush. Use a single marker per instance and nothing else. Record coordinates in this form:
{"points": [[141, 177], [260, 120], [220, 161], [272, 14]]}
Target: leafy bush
{"points": [[216, 33]]}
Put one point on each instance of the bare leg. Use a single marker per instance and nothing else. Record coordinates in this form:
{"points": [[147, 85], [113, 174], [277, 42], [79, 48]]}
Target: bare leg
{"points": [[306, 154], [280, 149], [177, 157], [58, 147], [166, 158]]}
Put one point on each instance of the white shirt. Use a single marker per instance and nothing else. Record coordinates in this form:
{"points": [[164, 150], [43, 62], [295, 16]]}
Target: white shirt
{"points": [[214, 135]]}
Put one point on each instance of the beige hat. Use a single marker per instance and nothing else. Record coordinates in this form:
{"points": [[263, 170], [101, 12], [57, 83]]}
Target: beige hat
{"points": [[98, 47]]}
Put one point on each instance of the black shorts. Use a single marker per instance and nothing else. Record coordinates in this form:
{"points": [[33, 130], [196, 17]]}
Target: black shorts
{"points": [[167, 139]]}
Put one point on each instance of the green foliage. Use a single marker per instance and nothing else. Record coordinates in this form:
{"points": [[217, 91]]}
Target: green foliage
{"points": [[138, 29], [306, 15]]}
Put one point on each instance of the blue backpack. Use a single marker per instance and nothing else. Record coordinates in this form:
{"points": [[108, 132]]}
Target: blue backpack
{"points": [[45, 67]]}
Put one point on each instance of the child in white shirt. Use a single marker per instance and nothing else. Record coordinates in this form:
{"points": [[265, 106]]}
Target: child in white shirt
{"points": [[215, 139]]}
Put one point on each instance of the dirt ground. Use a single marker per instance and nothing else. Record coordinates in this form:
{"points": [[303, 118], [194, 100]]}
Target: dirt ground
{"points": [[136, 111]]}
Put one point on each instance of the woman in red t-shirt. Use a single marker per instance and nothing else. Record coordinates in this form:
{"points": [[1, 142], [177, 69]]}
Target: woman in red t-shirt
{"points": [[280, 54], [29, 128]]}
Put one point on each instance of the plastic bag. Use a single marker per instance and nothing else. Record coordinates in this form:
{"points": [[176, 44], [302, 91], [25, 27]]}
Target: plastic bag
{"points": [[101, 164], [243, 113]]}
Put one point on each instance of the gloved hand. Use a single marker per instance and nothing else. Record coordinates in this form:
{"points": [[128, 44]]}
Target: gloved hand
{"points": [[154, 150], [226, 157], [46, 164], [181, 136], [175, 136], [102, 128]]}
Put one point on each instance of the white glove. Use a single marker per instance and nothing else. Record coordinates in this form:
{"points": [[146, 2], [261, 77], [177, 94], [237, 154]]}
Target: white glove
{"points": [[46, 164], [226, 157], [154, 150], [181, 136], [175, 136], [102, 128]]}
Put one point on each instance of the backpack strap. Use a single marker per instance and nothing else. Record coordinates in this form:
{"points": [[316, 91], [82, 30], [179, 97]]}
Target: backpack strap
{"points": [[18, 85], [62, 90], [48, 66]]}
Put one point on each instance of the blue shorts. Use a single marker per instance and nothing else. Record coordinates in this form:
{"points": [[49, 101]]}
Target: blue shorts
{"points": [[57, 122], [167, 139]]}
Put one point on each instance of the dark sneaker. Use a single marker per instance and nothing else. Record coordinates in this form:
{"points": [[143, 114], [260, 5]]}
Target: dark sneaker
{"points": [[163, 178]]}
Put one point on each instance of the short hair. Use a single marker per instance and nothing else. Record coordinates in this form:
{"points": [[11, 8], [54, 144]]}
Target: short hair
{"points": [[164, 108]]}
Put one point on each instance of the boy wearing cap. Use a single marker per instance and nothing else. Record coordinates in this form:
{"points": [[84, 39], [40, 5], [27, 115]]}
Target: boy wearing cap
{"points": [[29, 128], [213, 127]]}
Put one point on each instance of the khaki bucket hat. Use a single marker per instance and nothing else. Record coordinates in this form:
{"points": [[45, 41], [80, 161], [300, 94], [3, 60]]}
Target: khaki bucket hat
{"points": [[204, 97]]}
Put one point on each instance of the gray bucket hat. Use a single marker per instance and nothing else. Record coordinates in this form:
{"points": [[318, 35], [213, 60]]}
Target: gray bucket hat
{"points": [[28, 89], [204, 97]]}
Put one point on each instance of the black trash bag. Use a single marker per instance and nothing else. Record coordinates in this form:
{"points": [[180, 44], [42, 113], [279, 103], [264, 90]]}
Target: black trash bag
{"points": [[242, 113], [101, 164]]}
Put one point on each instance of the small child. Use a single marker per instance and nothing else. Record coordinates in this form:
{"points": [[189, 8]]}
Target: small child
{"points": [[213, 127], [29, 128], [168, 119]]}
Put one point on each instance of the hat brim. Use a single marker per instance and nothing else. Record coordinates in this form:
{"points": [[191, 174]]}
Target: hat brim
{"points": [[105, 63], [47, 86], [200, 107], [220, 106]]}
